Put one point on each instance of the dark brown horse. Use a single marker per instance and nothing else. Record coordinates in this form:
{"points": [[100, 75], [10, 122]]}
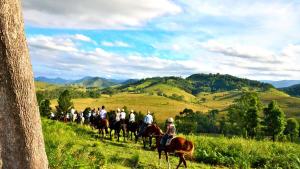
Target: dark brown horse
{"points": [[179, 145], [149, 132], [103, 125], [132, 127]]}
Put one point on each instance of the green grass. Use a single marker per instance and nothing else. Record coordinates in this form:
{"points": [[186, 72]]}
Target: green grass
{"points": [[169, 90], [242, 153], [74, 146], [40, 86]]}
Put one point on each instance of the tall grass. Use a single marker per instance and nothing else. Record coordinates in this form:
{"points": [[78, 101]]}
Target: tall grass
{"points": [[242, 153], [74, 146]]}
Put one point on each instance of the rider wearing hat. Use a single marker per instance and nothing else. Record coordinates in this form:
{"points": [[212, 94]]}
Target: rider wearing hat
{"points": [[131, 117], [170, 133], [148, 120]]}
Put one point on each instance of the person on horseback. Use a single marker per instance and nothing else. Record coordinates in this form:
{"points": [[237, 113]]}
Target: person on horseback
{"points": [[117, 115], [103, 113], [122, 116], [131, 117], [170, 133], [148, 120]]}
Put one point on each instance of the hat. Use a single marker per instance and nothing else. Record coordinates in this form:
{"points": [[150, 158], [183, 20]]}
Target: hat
{"points": [[132, 111], [123, 110], [149, 112], [170, 120], [119, 110]]}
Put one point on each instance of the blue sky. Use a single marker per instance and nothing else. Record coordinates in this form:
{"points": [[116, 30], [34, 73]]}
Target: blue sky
{"points": [[136, 39]]}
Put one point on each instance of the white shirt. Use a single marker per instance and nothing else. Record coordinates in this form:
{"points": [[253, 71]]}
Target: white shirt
{"points": [[123, 115], [131, 117], [103, 114], [72, 111], [148, 119], [52, 114], [118, 116]]}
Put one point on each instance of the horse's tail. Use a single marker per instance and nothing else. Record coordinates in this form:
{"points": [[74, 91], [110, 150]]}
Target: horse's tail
{"points": [[188, 148]]}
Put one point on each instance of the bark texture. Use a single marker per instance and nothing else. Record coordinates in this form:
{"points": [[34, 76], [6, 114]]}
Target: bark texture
{"points": [[21, 139]]}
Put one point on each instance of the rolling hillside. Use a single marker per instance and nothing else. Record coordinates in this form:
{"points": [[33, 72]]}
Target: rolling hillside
{"points": [[167, 96], [196, 83], [292, 90]]}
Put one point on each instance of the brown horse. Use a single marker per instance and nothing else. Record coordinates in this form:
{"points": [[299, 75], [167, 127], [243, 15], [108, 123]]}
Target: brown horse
{"points": [[179, 145], [149, 132], [103, 125]]}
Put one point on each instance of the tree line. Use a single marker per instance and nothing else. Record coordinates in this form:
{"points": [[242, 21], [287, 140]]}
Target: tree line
{"points": [[246, 117]]}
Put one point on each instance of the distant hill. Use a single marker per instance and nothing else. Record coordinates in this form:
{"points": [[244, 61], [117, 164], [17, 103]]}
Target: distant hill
{"points": [[53, 80], [95, 82], [191, 85], [292, 90], [85, 82], [282, 83]]}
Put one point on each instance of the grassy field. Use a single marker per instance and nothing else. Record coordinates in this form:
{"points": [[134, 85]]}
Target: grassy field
{"points": [[40, 86], [162, 107], [169, 90], [73, 146]]}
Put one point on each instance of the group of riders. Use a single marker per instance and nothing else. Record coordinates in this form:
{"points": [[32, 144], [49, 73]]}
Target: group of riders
{"points": [[95, 117]]}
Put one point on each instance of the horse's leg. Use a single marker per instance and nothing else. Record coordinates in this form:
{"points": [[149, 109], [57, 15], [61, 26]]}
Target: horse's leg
{"points": [[181, 158], [150, 141], [144, 142], [167, 158], [159, 156], [118, 135], [184, 161]]}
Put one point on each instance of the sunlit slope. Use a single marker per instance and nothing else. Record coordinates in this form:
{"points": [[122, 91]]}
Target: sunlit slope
{"points": [[74, 146], [170, 90], [290, 105], [162, 107], [165, 107], [39, 86]]}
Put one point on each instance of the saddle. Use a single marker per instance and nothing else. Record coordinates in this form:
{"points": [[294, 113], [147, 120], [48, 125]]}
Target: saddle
{"points": [[169, 141]]}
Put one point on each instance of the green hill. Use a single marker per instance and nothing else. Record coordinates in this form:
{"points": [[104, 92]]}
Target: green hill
{"points": [[292, 90], [196, 83], [94, 82]]}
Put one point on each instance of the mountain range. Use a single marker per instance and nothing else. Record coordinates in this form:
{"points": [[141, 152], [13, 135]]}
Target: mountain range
{"points": [[282, 83], [87, 81]]}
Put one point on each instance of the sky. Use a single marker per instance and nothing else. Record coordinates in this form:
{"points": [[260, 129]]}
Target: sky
{"points": [[122, 39]]}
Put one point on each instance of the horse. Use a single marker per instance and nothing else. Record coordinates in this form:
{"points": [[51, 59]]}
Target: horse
{"points": [[117, 126], [148, 132], [103, 126], [179, 145], [133, 127]]}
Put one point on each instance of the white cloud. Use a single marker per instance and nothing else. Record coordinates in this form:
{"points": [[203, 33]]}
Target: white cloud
{"points": [[52, 59], [115, 44], [82, 38], [61, 56], [95, 14]]}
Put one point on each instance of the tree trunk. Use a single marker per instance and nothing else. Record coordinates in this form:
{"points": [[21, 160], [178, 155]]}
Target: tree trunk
{"points": [[21, 139]]}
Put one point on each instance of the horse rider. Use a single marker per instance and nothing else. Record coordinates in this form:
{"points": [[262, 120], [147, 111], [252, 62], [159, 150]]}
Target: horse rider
{"points": [[170, 133], [131, 117], [52, 115], [103, 113], [118, 114], [148, 120], [122, 116]]}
